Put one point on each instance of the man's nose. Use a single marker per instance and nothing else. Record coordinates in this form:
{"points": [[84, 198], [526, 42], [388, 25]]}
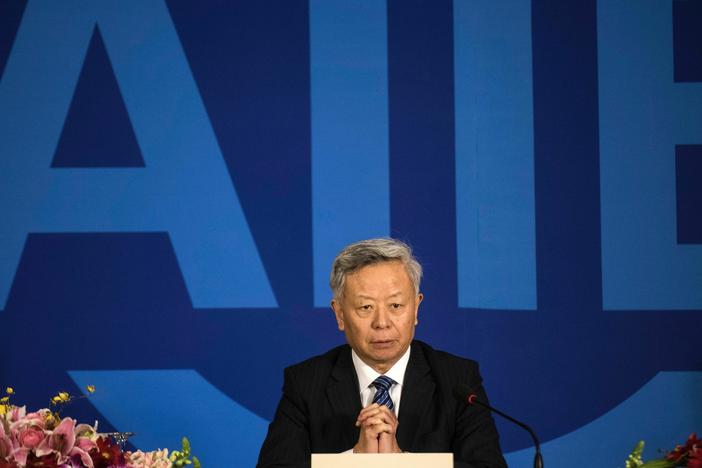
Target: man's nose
{"points": [[380, 320]]}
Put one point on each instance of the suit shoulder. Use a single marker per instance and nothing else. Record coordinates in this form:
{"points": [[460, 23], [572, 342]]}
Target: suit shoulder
{"points": [[310, 377], [443, 356], [321, 363], [453, 364]]}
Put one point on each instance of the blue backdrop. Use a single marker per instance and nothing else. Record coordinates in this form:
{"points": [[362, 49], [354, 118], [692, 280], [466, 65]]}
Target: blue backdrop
{"points": [[175, 178]]}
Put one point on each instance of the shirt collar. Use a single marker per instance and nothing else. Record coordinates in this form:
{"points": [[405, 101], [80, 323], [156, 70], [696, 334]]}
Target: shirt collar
{"points": [[366, 374]]}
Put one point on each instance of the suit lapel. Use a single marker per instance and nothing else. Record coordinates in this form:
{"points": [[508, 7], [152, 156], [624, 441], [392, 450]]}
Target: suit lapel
{"points": [[417, 397], [344, 398]]}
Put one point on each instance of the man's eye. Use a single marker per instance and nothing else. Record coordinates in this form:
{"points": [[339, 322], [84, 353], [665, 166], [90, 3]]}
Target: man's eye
{"points": [[395, 305], [366, 307]]}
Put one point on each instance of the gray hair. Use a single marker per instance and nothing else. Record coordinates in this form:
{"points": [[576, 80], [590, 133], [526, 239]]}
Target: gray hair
{"points": [[368, 252]]}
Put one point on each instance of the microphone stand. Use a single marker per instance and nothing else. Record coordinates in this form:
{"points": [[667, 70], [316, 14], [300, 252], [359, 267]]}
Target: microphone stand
{"points": [[472, 399]]}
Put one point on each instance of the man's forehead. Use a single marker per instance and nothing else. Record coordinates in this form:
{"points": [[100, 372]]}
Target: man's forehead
{"points": [[361, 295], [377, 279]]}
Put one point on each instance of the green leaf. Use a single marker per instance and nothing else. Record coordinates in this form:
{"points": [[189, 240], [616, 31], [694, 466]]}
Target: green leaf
{"points": [[638, 450], [634, 460], [659, 464]]}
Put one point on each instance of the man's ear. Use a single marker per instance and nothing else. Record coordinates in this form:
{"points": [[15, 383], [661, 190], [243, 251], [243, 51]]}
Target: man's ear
{"points": [[338, 313], [420, 298]]}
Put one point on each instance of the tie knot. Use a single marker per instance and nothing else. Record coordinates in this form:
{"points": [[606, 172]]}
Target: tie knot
{"points": [[383, 383]]}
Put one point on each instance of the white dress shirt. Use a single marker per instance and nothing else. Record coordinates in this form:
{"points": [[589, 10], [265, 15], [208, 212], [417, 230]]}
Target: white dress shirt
{"points": [[366, 375]]}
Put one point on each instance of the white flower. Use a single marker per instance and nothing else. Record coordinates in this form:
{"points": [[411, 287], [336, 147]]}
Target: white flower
{"points": [[155, 459]]}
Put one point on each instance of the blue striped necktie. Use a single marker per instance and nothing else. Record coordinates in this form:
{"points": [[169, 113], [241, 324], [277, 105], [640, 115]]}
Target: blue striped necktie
{"points": [[382, 395]]}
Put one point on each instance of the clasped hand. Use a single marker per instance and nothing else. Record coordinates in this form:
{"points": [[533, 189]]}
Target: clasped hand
{"points": [[378, 428]]}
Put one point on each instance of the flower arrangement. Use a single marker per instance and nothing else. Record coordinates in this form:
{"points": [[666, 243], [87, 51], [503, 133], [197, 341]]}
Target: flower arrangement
{"points": [[45, 439], [688, 455]]}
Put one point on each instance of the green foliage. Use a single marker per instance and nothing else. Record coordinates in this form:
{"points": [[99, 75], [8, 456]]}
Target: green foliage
{"points": [[635, 459], [658, 464], [182, 458]]}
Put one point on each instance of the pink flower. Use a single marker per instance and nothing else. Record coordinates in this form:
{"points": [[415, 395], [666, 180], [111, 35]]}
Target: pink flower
{"points": [[5, 444], [30, 437], [35, 419], [20, 455], [85, 430], [61, 440], [85, 444], [84, 456], [18, 413], [28, 431], [29, 421]]}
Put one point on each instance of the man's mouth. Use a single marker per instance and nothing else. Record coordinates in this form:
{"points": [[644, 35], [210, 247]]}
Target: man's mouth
{"points": [[382, 343]]}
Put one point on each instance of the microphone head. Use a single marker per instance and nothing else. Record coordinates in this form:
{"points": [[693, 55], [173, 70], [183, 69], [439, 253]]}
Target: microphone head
{"points": [[462, 392]]}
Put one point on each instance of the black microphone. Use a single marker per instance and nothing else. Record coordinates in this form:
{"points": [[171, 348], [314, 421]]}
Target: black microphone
{"points": [[464, 394]]}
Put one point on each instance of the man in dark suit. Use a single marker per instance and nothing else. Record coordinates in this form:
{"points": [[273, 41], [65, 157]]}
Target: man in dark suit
{"points": [[353, 398]]}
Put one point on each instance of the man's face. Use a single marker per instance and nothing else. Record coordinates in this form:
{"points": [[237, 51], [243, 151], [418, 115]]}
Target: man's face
{"points": [[378, 313]]}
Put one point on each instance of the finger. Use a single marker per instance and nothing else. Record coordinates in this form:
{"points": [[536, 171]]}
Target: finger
{"points": [[383, 427], [382, 411], [387, 443], [372, 431], [367, 413], [365, 417], [368, 408], [376, 421], [370, 424], [387, 412], [369, 433]]}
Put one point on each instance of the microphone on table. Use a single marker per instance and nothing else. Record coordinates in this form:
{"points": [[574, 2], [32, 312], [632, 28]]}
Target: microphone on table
{"points": [[466, 395]]}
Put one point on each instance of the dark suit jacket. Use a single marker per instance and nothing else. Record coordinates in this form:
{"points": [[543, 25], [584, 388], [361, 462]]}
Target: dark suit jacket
{"points": [[321, 400]]}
